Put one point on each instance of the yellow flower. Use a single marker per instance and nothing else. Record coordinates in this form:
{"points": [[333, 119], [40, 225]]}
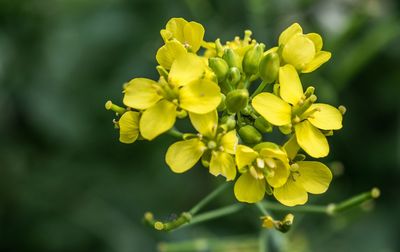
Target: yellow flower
{"points": [[303, 51], [129, 127], [214, 146], [169, 52], [309, 177], [185, 90], [189, 34], [266, 163], [297, 110]]}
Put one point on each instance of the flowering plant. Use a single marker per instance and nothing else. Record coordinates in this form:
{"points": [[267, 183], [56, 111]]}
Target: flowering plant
{"points": [[235, 94]]}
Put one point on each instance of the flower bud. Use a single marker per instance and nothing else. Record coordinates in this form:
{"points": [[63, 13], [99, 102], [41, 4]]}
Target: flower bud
{"points": [[229, 121], [269, 67], [220, 67], [252, 59], [233, 76], [222, 105], [262, 125], [286, 129], [236, 100], [250, 135], [232, 58]]}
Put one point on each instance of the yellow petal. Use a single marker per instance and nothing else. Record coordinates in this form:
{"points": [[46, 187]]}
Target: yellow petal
{"points": [[316, 39], [280, 175], [248, 189], [157, 119], [291, 194], [311, 139], [272, 108], [291, 147], [229, 142], [326, 118], [166, 35], [129, 127], [291, 89], [206, 124], [244, 156], [289, 33], [193, 34], [299, 51], [176, 26], [188, 67], [183, 155], [320, 58], [141, 93], [222, 164], [314, 176], [169, 52], [200, 96]]}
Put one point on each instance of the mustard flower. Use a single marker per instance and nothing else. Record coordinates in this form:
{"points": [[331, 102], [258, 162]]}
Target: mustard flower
{"points": [[305, 177], [214, 144], [185, 90], [293, 108], [265, 165]]}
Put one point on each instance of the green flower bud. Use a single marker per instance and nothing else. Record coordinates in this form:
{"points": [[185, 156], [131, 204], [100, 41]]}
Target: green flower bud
{"points": [[269, 67], [232, 58], [233, 77], [262, 125], [229, 121], [222, 105], [220, 67], [247, 110], [250, 135], [236, 100], [286, 129], [252, 59]]}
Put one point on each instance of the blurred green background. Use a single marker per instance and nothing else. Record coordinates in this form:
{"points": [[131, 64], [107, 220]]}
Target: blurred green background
{"points": [[67, 184]]}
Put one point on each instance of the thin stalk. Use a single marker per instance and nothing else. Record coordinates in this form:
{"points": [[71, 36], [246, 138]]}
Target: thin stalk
{"points": [[213, 214], [259, 89], [208, 198], [175, 133]]}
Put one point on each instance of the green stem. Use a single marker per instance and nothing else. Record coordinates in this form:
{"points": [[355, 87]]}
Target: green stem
{"points": [[353, 201], [259, 89], [175, 133], [213, 214], [330, 209], [208, 198]]}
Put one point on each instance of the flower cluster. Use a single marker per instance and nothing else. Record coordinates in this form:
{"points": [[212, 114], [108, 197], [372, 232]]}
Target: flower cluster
{"points": [[234, 94]]}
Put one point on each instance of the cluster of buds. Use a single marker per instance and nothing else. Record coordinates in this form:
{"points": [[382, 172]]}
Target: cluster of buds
{"points": [[234, 94]]}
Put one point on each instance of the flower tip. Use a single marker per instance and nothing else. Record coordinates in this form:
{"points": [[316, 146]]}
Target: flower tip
{"points": [[342, 109], [375, 193], [159, 225], [108, 105]]}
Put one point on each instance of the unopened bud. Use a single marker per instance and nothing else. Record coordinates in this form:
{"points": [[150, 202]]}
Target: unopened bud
{"points": [[250, 135], [342, 109], [232, 58], [286, 129], [252, 59], [222, 105], [220, 67], [309, 92], [262, 125], [162, 72], [236, 100], [247, 110], [276, 89], [233, 76], [229, 121], [269, 67]]}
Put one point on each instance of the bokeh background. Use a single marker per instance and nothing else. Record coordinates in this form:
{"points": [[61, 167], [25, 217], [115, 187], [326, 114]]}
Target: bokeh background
{"points": [[67, 184]]}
